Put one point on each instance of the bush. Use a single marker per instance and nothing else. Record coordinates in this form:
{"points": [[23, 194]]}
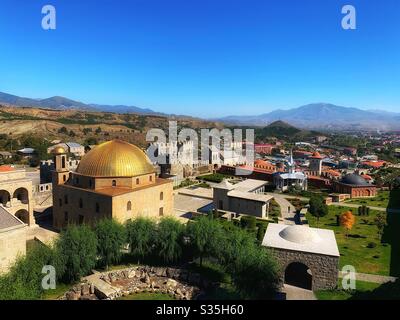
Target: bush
{"points": [[371, 245], [111, 237], [24, 280], [77, 247], [248, 222]]}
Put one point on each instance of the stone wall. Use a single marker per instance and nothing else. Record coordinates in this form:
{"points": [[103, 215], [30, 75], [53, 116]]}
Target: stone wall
{"points": [[179, 283], [12, 245], [324, 268]]}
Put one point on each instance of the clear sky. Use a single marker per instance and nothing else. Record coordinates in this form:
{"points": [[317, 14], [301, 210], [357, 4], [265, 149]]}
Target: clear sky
{"points": [[204, 57]]}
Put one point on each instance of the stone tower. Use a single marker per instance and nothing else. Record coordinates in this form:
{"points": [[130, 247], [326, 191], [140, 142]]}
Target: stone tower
{"points": [[316, 163], [60, 173]]}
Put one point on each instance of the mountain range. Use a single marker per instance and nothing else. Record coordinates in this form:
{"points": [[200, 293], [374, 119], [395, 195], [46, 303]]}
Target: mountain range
{"points": [[324, 116], [312, 116], [61, 103]]}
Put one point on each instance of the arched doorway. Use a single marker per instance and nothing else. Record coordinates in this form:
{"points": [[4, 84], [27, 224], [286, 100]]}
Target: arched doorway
{"points": [[299, 275], [21, 194], [4, 197], [23, 215]]}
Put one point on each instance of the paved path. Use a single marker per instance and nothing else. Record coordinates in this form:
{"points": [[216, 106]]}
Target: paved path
{"points": [[296, 293], [375, 278], [288, 211], [352, 205]]}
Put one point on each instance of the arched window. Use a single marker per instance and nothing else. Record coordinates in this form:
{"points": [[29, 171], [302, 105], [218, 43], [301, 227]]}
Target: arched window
{"points": [[66, 199], [129, 206], [114, 183], [161, 212], [137, 180], [97, 207], [63, 162], [64, 178], [161, 195], [151, 178], [90, 183], [80, 203]]}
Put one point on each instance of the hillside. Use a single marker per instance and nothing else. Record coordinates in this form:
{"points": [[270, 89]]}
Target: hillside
{"points": [[82, 125], [283, 130]]}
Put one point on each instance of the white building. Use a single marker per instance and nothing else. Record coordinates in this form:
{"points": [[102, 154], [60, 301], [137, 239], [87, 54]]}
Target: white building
{"points": [[246, 197], [292, 178]]}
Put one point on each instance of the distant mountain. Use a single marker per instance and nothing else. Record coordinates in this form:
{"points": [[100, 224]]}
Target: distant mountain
{"points": [[61, 103], [323, 116]]}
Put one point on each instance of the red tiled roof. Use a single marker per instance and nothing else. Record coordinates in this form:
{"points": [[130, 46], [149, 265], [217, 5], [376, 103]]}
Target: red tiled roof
{"points": [[6, 168]]}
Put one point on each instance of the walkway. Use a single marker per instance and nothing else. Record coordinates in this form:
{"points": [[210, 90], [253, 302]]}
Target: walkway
{"points": [[375, 278], [287, 216], [296, 293]]}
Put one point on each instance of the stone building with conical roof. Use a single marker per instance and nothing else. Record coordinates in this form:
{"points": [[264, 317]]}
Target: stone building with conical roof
{"points": [[113, 180]]}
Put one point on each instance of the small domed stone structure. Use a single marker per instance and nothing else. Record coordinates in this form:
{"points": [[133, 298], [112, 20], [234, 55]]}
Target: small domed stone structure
{"points": [[308, 257]]}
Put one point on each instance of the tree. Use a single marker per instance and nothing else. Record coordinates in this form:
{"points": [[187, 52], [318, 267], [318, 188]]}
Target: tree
{"points": [[98, 130], [318, 208], [77, 247], [63, 130], [347, 220], [380, 222], [111, 237], [72, 133], [169, 239], [140, 236], [204, 234], [256, 274]]}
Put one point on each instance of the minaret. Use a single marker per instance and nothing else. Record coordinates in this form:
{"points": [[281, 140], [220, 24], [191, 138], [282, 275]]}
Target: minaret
{"points": [[291, 164], [61, 169]]}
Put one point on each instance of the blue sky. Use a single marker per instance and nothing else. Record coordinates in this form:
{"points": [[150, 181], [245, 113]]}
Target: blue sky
{"points": [[204, 57]]}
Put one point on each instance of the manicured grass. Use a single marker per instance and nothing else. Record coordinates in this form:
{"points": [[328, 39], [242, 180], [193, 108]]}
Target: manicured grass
{"points": [[147, 296], [384, 199], [353, 248], [361, 288]]}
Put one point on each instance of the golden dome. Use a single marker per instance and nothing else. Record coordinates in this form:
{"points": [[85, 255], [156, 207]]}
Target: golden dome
{"points": [[115, 158], [58, 150]]}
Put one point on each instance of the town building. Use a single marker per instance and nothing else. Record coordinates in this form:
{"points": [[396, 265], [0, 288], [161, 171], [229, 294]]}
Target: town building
{"points": [[70, 147], [354, 185], [113, 180], [16, 194], [291, 178], [246, 197]]}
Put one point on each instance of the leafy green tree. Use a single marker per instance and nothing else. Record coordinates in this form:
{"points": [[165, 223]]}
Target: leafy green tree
{"points": [[169, 239], [77, 247], [111, 237], [140, 236], [204, 234], [380, 222], [256, 274], [317, 207], [63, 130]]}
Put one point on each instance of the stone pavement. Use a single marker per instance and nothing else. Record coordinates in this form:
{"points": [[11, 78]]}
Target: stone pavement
{"points": [[296, 293]]}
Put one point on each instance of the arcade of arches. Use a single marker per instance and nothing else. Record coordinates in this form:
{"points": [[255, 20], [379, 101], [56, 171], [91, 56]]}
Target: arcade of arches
{"points": [[16, 196]]}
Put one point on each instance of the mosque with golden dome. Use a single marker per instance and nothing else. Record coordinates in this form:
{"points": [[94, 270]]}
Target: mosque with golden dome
{"points": [[113, 180]]}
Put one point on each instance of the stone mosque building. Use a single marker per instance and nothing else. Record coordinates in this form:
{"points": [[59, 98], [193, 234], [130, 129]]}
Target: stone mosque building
{"points": [[113, 180]]}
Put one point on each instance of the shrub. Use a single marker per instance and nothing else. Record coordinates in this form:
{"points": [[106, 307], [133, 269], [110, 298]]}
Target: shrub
{"points": [[371, 245]]}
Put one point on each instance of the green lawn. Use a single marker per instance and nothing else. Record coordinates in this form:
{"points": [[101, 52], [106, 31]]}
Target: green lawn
{"points": [[381, 200], [53, 294], [353, 249], [361, 288], [147, 296]]}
